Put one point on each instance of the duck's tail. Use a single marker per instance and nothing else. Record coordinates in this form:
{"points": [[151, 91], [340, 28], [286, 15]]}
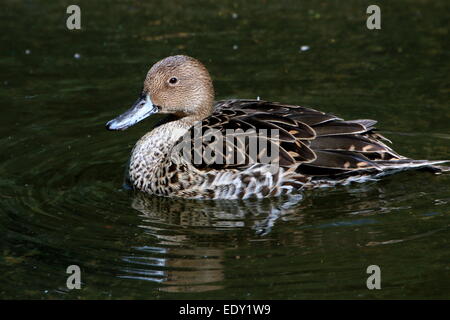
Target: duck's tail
{"points": [[381, 168], [441, 169], [410, 164]]}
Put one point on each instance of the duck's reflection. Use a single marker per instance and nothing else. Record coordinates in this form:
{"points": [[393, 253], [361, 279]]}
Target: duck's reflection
{"points": [[190, 241], [179, 269], [186, 244], [259, 215]]}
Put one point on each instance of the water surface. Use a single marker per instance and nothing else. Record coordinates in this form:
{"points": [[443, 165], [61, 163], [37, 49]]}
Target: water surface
{"points": [[61, 172]]}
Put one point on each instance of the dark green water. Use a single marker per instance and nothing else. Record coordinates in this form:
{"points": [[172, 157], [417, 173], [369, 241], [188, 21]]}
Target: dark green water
{"points": [[61, 196]]}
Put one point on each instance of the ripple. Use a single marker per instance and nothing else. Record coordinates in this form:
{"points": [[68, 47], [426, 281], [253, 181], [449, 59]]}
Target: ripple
{"points": [[64, 205]]}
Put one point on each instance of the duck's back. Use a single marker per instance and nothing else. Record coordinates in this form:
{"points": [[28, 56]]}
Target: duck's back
{"points": [[321, 146]]}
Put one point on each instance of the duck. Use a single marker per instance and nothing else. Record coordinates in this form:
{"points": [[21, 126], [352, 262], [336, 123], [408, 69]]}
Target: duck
{"points": [[205, 149]]}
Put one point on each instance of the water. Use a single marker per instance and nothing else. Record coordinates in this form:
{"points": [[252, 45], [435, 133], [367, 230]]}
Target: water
{"points": [[61, 195]]}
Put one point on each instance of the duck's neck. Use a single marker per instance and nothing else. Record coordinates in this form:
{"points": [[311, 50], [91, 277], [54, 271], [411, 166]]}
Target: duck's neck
{"points": [[152, 149]]}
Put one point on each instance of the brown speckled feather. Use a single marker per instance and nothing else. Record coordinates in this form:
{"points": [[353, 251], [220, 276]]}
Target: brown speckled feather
{"points": [[307, 136]]}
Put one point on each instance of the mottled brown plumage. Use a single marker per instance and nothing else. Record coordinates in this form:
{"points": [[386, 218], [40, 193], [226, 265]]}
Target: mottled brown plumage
{"points": [[314, 149]]}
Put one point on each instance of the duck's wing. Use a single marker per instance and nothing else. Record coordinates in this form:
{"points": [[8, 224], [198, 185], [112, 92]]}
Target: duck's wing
{"points": [[315, 142], [242, 133]]}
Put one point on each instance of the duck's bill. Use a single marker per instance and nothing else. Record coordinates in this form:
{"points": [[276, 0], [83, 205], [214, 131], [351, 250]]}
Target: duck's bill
{"points": [[140, 110]]}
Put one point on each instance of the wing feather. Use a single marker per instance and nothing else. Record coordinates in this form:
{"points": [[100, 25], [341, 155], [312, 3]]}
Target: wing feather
{"points": [[313, 142]]}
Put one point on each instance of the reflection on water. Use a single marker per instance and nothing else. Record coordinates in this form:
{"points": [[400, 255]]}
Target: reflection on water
{"points": [[61, 201], [180, 269], [180, 264], [260, 215], [192, 240]]}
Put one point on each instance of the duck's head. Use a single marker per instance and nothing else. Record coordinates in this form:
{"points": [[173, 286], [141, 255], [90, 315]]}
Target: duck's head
{"points": [[178, 85]]}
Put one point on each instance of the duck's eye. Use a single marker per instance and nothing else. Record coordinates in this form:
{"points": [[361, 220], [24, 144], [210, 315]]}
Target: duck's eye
{"points": [[173, 80]]}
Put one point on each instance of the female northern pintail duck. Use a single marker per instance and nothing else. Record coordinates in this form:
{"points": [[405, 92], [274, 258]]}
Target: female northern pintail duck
{"points": [[312, 148]]}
